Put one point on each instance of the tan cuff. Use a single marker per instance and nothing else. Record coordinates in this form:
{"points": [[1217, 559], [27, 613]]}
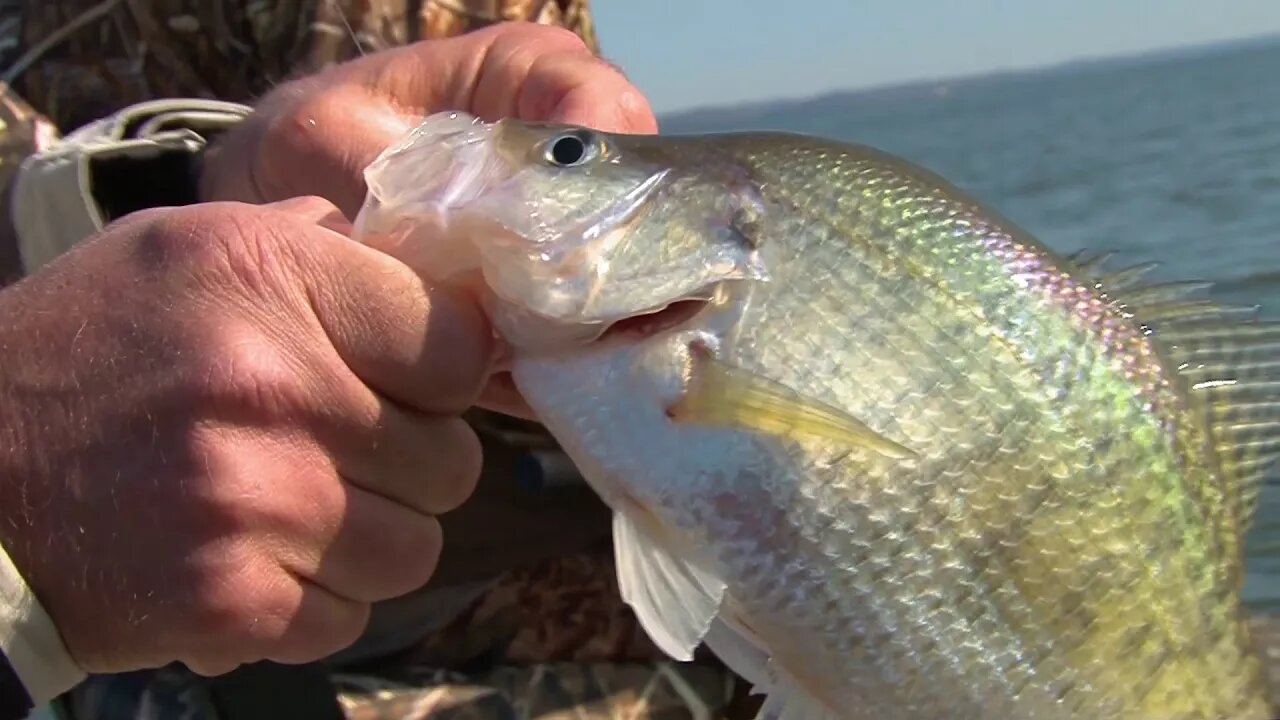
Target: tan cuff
{"points": [[31, 641], [53, 201]]}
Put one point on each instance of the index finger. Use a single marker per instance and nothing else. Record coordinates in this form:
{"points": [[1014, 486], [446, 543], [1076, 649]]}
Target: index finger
{"points": [[533, 72], [566, 89], [548, 74], [525, 70]]}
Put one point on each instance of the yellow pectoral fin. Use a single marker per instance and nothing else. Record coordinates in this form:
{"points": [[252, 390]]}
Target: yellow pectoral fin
{"points": [[718, 394]]}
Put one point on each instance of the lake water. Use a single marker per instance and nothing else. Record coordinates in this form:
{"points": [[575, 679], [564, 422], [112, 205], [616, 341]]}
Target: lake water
{"points": [[1174, 159]]}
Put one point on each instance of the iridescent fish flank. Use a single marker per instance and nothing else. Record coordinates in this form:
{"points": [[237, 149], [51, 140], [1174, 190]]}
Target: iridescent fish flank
{"points": [[1084, 290], [879, 449]]}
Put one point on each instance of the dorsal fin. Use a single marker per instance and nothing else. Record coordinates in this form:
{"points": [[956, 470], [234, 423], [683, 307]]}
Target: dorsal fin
{"points": [[1235, 367], [1228, 359], [1089, 264]]}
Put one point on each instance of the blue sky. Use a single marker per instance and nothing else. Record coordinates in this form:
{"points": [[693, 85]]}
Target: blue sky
{"points": [[723, 51]]}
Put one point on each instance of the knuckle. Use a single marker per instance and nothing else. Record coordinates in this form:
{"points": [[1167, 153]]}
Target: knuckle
{"points": [[636, 114], [348, 626], [412, 549], [461, 472], [307, 205], [316, 510], [550, 36], [399, 557], [271, 494], [521, 49], [300, 131], [263, 254], [251, 378], [237, 599], [296, 127], [581, 89], [273, 614], [287, 133], [146, 218], [184, 237], [255, 610], [460, 325], [217, 244], [324, 625]]}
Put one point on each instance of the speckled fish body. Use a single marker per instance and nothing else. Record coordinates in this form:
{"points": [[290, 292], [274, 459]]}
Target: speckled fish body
{"points": [[915, 464]]}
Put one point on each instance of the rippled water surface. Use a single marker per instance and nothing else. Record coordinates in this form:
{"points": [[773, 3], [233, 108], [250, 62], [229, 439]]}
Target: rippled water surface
{"points": [[1175, 159]]}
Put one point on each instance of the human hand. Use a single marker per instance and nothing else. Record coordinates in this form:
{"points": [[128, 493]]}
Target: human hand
{"points": [[225, 430], [316, 135]]}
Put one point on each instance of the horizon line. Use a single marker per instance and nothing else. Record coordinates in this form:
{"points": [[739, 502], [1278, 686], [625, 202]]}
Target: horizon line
{"points": [[925, 80]]}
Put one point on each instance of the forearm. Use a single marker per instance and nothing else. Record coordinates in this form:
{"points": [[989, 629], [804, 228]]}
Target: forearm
{"points": [[64, 192]]}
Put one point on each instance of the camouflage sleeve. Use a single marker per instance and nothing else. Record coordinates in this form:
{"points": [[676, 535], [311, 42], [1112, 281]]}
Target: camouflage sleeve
{"points": [[145, 155]]}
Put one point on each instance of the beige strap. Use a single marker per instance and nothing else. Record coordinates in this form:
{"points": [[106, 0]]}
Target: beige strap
{"points": [[31, 641], [53, 201]]}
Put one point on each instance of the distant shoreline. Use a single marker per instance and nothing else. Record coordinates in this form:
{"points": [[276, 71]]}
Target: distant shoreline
{"points": [[712, 113]]}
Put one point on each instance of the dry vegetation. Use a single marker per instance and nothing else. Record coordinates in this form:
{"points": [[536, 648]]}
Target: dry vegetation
{"points": [[77, 60]]}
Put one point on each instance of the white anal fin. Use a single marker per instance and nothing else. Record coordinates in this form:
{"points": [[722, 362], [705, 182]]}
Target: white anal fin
{"points": [[742, 653], [674, 600], [746, 655], [788, 702], [678, 604]]}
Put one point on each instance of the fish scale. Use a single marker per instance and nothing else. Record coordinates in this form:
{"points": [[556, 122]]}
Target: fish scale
{"points": [[822, 589], [887, 562], [906, 462], [917, 233], [824, 332]]}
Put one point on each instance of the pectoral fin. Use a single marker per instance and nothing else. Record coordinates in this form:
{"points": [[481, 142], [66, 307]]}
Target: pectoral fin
{"points": [[719, 394], [674, 599]]}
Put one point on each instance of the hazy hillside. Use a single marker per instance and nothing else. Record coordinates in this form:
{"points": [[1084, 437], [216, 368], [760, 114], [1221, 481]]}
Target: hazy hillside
{"points": [[776, 114]]}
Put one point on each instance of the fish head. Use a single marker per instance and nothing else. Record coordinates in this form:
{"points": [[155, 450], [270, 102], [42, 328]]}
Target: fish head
{"points": [[566, 230]]}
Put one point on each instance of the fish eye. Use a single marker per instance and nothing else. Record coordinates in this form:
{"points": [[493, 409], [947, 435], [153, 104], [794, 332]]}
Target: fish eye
{"points": [[571, 149]]}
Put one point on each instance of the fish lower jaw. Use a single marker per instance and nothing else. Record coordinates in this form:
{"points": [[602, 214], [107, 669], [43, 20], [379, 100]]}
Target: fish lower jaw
{"points": [[662, 319], [650, 324]]}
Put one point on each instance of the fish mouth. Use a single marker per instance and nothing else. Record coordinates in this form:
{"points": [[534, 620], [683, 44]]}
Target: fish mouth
{"points": [[657, 321]]}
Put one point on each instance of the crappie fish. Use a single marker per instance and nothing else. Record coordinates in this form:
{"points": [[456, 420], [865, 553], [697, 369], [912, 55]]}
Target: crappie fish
{"points": [[879, 449]]}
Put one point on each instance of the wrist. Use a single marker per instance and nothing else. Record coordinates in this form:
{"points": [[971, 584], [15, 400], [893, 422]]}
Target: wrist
{"points": [[31, 642], [35, 654]]}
